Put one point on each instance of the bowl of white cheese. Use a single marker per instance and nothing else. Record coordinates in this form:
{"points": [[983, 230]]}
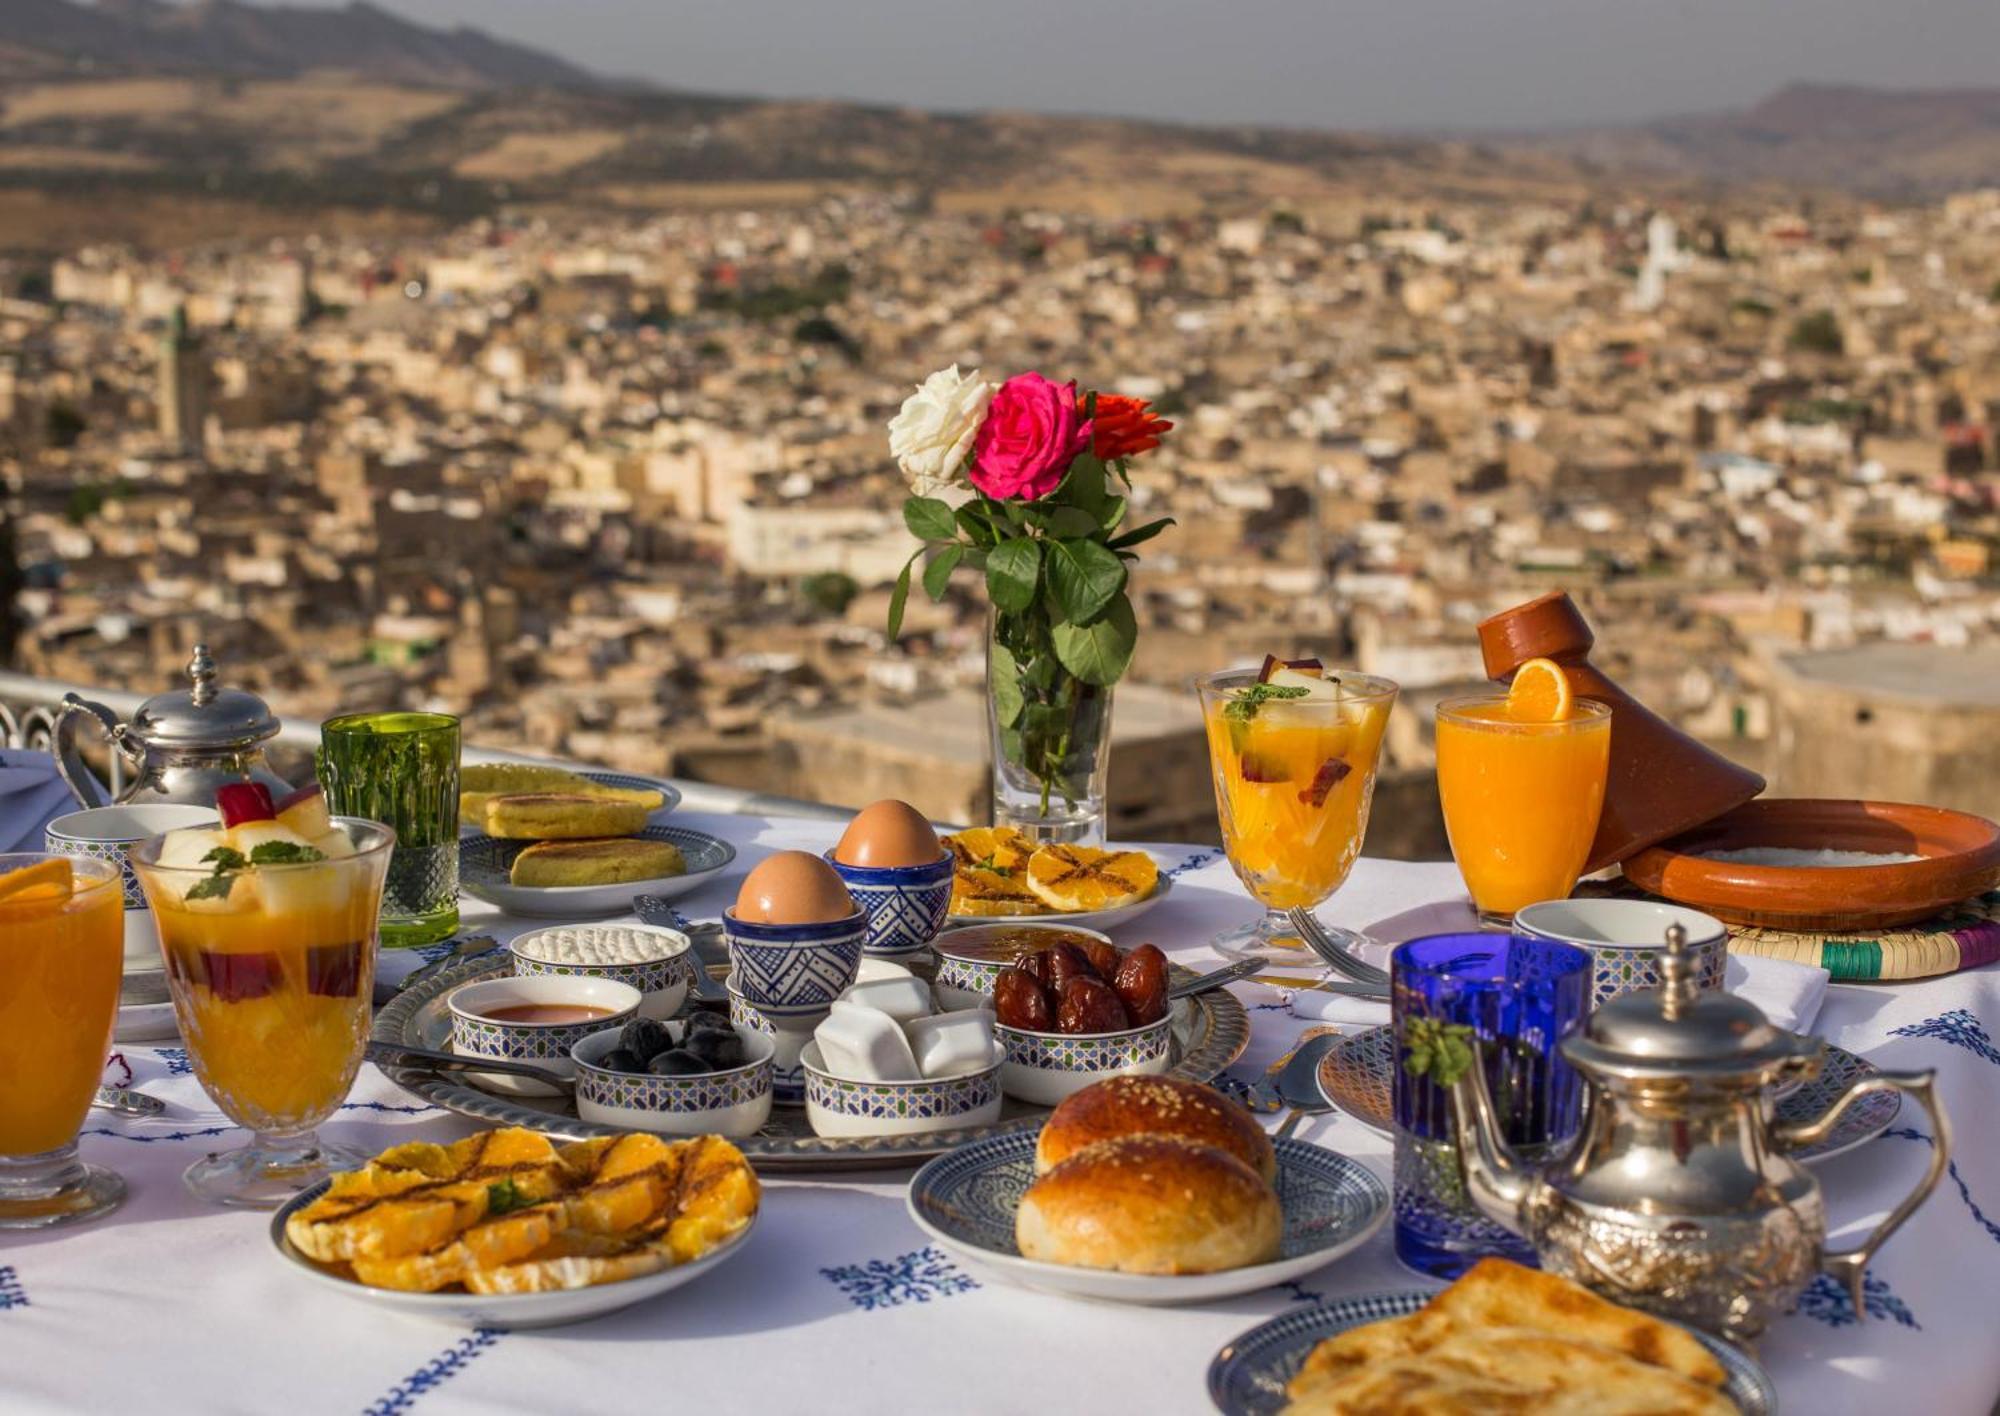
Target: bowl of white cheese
{"points": [[659, 962]]}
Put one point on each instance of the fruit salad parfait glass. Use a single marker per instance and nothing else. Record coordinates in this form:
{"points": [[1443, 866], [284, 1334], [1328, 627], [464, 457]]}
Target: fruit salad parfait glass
{"points": [[1294, 749], [270, 956]]}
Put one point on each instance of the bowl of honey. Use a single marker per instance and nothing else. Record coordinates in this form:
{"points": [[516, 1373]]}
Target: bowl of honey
{"points": [[535, 1020]]}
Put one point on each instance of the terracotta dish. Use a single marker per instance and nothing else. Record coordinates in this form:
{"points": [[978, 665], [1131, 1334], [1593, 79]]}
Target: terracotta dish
{"points": [[1961, 859], [1662, 781]]}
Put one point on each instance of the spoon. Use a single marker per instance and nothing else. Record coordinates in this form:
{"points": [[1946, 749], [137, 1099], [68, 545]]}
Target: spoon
{"points": [[1298, 1082], [127, 1102], [395, 1054]]}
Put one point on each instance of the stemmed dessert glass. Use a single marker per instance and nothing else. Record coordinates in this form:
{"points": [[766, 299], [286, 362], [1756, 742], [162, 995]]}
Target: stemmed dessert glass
{"points": [[272, 978], [62, 953], [1294, 776]]}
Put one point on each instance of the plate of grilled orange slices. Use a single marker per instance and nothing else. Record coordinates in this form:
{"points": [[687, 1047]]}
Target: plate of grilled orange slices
{"points": [[1000, 875], [507, 1229]]}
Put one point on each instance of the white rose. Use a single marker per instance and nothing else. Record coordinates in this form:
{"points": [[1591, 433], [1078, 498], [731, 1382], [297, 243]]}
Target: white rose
{"points": [[932, 436]]}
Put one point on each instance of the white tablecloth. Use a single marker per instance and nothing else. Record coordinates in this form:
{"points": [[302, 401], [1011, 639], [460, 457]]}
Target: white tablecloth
{"points": [[840, 1304]]}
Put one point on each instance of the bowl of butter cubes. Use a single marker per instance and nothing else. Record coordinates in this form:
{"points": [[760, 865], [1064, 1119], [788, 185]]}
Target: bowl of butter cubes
{"points": [[886, 1062]]}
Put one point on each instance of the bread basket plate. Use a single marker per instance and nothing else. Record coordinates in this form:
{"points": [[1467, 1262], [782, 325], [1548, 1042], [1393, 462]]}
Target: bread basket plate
{"points": [[499, 1310], [966, 1201], [1112, 918], [1248, 1376], [483, 863], [1210, 1031], [1355, 1076]]}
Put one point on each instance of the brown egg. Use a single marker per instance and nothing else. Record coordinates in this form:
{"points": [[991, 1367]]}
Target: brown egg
{"points": [[793, 887], [886, 834]]}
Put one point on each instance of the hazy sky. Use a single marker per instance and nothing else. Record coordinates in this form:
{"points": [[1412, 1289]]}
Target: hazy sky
{"points": [[1319, 63]]}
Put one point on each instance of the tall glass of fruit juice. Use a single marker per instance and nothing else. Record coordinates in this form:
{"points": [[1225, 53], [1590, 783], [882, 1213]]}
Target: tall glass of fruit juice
{"points": [[62, 952], [1294, 770], [272, 971], [1521, 799]]}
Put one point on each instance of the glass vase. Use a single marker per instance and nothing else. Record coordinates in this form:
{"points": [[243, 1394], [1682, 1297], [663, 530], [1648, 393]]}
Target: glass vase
{"points": [[1050, 731], [1519, 998]]}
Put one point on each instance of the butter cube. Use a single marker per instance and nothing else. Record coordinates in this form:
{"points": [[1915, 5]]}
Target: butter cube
{"points": [[904, 999], [863, 1044], [954, 1044]]}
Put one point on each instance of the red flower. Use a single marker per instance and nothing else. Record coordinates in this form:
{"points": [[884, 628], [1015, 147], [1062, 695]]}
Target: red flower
{"points": [[1124, 427]]}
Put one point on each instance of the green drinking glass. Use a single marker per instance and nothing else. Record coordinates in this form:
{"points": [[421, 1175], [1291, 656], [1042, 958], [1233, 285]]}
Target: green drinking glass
{"points": [[401, 769]]}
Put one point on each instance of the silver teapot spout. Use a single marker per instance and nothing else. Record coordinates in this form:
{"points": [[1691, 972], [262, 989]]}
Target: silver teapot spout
{"points": [[1499, 1184]]}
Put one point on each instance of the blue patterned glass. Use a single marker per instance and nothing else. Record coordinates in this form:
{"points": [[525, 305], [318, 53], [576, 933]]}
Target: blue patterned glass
{"points": [[1520, 997]]}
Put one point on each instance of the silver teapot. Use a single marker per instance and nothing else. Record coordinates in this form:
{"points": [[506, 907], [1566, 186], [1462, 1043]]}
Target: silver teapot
{"points": [[1681, 1194], [179, 746]]}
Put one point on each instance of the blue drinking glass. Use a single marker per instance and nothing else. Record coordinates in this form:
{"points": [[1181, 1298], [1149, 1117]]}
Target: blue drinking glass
{"points": [[1520, 997]]}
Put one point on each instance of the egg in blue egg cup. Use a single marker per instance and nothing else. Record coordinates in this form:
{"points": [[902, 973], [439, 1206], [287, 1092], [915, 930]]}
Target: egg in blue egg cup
{"points": [[794, 969], [905, 904]]}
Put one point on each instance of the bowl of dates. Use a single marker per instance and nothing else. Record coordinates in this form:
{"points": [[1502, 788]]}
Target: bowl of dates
{"points": [[1076, 1013], [971, 956]]}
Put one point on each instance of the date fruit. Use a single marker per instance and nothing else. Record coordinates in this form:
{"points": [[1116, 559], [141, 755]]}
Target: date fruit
{"points": [[1020, 1002], [1104, 959], [1035, 964], [1066, 962], [1141, 985], [1090, 1005]]}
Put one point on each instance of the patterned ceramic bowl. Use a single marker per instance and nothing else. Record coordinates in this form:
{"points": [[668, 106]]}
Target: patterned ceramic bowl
{"points": [[476, 1033], [788, 1032], [736, 1102], [836, 1106], [794, 968], [1045, 1068], [658, 962], [1624, 939], [109, 833], [971, 956], [905, 904]]}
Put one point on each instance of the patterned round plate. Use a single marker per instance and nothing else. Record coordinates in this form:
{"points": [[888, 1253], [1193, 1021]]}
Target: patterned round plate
{"points": [[1112, 918], [500, 1310], [483, 863], [632, 783], [1210, 1032], [1355, 1076], [1247, 1377], [966, 1201]]}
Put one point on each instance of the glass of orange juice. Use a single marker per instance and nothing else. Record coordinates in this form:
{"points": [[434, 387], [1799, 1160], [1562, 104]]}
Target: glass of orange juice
{"points": [[269, 939], [62, 953], [1521, 797], [1294, 755]]}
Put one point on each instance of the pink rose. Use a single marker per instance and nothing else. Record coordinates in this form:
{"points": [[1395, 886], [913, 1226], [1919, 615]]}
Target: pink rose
{"points": [[1031, 433]]}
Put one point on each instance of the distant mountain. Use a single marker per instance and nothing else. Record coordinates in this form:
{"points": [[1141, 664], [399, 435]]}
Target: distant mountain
{"points": [[42, 39], [1885, 142]]}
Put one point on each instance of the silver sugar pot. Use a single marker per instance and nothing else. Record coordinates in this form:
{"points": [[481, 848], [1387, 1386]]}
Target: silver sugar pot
{"points": [[1682, 1195], [179, 746]]}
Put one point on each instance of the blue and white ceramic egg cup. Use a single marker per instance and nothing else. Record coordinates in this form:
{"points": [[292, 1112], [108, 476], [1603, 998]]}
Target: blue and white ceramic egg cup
{"points": [[905, 904], [794, 968]]}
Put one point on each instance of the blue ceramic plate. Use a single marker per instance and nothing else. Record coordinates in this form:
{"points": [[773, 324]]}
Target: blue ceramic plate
{"points": [[483, 862], [1355, 1076], [966, 1198], [1247, 1378]]}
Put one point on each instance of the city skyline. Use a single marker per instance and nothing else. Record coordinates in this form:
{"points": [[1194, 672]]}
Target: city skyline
{"points": [[1451, 64]]}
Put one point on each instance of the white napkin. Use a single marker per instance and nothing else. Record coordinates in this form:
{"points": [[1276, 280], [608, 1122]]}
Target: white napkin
{"points": [[31, 796], [1790, 994]]}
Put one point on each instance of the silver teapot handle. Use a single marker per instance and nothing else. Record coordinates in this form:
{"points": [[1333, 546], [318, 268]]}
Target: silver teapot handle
{"points": [[83, 784], [1850, 1265]]}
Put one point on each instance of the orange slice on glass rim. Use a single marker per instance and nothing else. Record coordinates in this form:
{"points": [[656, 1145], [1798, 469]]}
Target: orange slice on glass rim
{"points": [[45, 879], [1539, 694]]}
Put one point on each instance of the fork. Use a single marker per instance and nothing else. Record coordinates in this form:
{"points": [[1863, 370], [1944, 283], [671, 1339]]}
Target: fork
{"points": [[1332, 951]]}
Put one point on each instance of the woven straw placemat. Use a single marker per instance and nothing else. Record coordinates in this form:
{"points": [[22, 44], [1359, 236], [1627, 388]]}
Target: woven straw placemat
{"points": [[1962, 938]]}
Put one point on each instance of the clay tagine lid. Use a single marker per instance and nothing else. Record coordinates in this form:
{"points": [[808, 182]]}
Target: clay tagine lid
{"points": [[1661, 781]]}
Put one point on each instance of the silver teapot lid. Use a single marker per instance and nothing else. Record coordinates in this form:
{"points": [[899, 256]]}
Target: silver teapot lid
{"points": [[202, 715], [1681, 1030]]}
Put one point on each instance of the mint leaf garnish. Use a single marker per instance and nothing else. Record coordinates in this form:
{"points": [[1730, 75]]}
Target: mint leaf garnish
{"points": [[1245, 704], [504, 1197], [283, 853], [226, 859], [215, 887], [1441, 1051]]}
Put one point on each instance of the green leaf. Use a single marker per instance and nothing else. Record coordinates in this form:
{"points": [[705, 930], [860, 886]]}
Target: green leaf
{"points": [[937, 575], [900, 597], [225, 858], [504, 1197], [1243, 707], [1012, 569], [1112, 513], [974, 558], [929, 519], [1083, 485], [1003, 681], [1099, 652], [1068, 522], [973, 519], [1084, 577], [1141, 533], [215, 887], [284, 853]]}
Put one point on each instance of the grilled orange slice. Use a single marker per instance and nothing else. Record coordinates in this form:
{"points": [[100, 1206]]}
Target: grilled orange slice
{"points": [[1076, 878], [494, 1241], [1003, 847], [1540, 693]]}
